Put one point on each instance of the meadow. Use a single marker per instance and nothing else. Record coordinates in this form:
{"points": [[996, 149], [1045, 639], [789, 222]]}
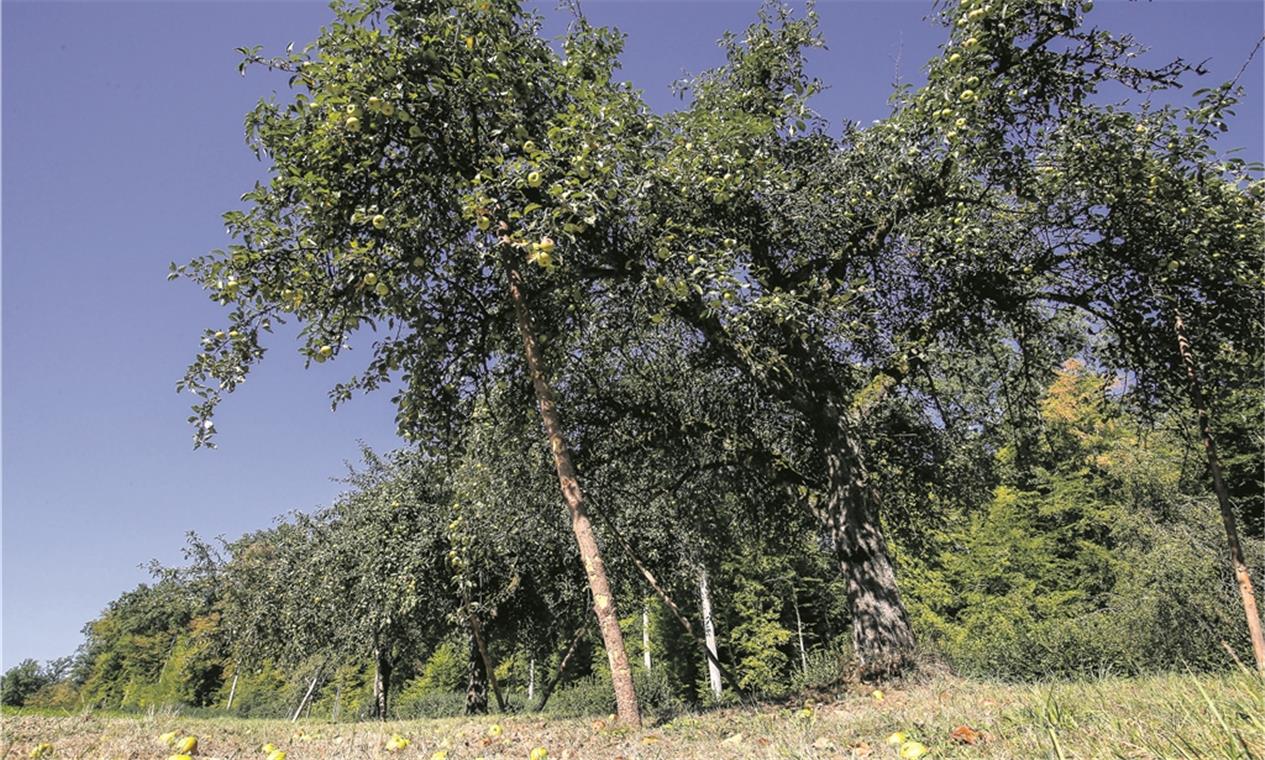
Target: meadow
{"points": [[1174, 716]]}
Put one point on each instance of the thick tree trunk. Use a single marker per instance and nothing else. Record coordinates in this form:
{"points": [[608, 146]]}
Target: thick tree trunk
{"points": [[709, 632], [1237, 560], [381, 682], [590, 554], [645, 637], [881, 636], [476, 682], [562, 668]]}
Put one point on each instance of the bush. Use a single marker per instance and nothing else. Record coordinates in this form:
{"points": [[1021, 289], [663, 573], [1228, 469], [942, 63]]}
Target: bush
{"points": [[417, 701]]}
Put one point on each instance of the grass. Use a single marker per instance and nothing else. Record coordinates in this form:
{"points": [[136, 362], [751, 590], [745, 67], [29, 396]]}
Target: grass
{"points": [[1176, 716]]}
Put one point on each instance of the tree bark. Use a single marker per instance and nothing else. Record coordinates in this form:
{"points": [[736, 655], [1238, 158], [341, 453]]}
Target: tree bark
{"points": [[1237, 560], [303, 703], [531, 679], [476, 630], [882, 638], [590, 554], [799, 631], [562, 668], [476, 682], [709, 632], [674, 609], [645, 637], [381, 682], [232, 690]]}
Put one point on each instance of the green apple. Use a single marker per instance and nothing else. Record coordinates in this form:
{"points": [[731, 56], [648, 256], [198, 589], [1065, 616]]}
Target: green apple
{"points": [[533, 179], [371, 279]]}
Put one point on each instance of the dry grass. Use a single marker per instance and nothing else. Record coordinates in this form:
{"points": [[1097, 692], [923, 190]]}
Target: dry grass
{"points": [[1156, 717]]}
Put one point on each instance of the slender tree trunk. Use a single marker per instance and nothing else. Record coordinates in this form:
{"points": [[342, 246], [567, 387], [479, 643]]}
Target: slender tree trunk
{"points": [[338, 703], [1241, 574], [590, 553], [531, 679], [476, 630], [709, 631], [232, 690], [645, 636], [381, 682], [303, 703], [562, 668], [675, 609], [476, 682], [881, 635], [799, 632]]}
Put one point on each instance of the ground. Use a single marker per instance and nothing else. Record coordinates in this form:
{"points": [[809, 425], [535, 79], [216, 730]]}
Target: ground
{"points": [[1177, 716]]}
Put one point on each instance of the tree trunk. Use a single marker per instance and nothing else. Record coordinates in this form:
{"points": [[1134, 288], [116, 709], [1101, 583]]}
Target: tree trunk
{"points": [[881, 636], [799, 632], [645, 637], [531, 679], [476, 630], [303, 703], [476, 682], [381, 682], [232, 690], [709, 632], [590, 554], [674, 608], [562, 668], [1241, 574]]}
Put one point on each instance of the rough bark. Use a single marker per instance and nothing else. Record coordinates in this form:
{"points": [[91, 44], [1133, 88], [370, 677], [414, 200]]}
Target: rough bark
{"points": [[590, 554], [1241, 574], [476, 682], [709, 632], [882, 638]]}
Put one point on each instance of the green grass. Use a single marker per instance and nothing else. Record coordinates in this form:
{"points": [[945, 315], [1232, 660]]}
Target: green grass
{"points": [[1176, 716]]}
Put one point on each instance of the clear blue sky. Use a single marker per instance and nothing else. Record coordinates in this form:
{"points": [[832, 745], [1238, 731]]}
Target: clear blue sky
{"points": [[122, 144]]}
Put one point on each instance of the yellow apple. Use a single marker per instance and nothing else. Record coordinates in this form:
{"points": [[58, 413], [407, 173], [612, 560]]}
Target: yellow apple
{"points": [[379, 221], [529, 146], [533, 179], [352, 123], [371, 279], [484, 223], [540, 753], [382, 289], [187, 745]]}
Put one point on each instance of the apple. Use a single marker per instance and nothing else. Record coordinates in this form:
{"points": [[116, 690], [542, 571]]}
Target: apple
{"points": [[419, 262], [484, 223], [382, 289], [529, 146], [219, 335], [967, 96], [415, 131], [546, 245], [379, 221], [540, 753], [187, 745], [661, 281], [371, 279], [388, 109], [533, 179], [544, 259], [276, 754], [324, 352], [374, 102], [352, 123]]}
